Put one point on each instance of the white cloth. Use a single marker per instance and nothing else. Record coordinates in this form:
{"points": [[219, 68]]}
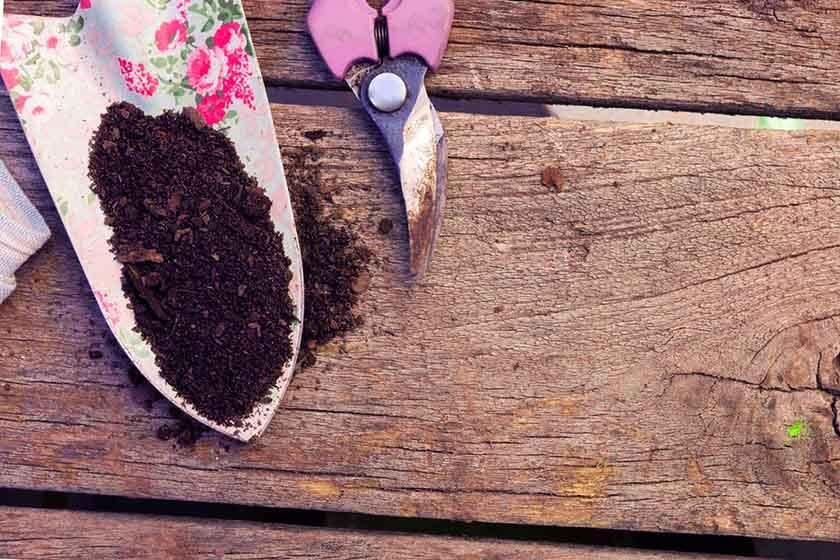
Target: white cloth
{"points": [[22, 231]]}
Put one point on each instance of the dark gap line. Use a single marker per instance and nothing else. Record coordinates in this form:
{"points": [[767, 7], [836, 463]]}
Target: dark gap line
{"points": [[305, 93], [674, 542], [525, 107], [509, 106], [728, 109], [345, 99]]}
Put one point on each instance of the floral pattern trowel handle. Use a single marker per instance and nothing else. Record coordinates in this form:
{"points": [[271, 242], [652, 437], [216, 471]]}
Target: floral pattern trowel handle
{"points": [[160, 55], [384, 57]]}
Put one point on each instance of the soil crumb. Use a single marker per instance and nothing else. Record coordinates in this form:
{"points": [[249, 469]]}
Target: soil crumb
{"points": [[316, 135], [386, 226]]}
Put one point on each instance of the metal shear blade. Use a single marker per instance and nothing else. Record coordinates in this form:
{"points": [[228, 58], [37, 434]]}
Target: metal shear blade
{"points": [[404, 40], [416, 140]]}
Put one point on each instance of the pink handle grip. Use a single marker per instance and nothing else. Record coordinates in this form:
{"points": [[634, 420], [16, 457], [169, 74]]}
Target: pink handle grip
{"points": [[343, 31], [420, 27]]}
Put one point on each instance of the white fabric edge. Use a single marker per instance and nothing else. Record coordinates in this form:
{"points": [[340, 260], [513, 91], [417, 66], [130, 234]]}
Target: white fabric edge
{"points": [[18, 240]]}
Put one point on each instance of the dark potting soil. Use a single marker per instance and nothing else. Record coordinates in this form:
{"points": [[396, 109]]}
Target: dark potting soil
{"points": [[203, 267], [335, 261], [335, 278], [183, 430]]}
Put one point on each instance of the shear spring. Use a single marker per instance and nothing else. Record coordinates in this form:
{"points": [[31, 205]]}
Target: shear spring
{"points": [[380, 34]]}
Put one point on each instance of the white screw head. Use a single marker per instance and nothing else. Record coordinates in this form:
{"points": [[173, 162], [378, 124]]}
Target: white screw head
{"points": [[387, 92]]}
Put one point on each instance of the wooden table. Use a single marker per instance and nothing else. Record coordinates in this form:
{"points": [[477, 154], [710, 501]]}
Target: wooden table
{"points": [[633, 352]]}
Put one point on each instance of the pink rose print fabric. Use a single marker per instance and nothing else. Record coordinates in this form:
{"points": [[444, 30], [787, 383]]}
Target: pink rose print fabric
{"points": [[17, 41], [206, 69], [207, 66], [171, 35], [137, 78], [222, 72], [109, 308], [213, 108], [216, 59], [30, 64], [10, 77]]}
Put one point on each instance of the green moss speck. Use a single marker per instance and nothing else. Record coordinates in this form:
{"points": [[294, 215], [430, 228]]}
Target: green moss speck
{"points": [[797, 429]]}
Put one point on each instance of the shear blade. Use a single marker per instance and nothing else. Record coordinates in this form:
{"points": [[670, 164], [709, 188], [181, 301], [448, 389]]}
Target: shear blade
{"points": [[417, 143]]}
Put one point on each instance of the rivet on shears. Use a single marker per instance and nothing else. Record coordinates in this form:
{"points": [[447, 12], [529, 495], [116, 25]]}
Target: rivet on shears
{"points": [[387, 92]]}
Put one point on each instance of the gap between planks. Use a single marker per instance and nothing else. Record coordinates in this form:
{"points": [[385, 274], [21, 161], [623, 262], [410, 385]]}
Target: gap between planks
{"points": [[346, 100], [60, 533], [574, 112]]}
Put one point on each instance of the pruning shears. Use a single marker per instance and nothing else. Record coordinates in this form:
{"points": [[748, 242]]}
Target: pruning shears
{"points": [[384, 56]]}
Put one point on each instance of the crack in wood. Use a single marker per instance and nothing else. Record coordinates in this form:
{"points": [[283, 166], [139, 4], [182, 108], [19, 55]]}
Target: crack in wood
{"points": [[835, 409], [717, 378]]}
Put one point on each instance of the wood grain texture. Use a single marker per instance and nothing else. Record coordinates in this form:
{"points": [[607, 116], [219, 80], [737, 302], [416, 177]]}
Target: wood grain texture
{"points": [[753, 56], [66, 535], [628, 353]]}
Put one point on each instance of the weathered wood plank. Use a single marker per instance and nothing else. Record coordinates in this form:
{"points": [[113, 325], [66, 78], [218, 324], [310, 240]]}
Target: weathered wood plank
{"points": [[721, 55], [629, 353], [65, 535]]}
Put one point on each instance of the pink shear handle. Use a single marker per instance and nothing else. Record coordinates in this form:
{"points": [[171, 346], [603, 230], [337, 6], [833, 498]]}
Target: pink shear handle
{"points": [[419, 27], [343, 31]]}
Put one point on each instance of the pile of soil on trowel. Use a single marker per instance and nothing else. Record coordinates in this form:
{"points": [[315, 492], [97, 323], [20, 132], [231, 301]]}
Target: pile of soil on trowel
{"points": [[336, 274], [203, 267]]}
